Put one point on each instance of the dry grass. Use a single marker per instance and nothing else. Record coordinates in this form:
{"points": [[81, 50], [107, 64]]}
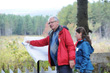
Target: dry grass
{"points": [[4, 40], [100, 44]]}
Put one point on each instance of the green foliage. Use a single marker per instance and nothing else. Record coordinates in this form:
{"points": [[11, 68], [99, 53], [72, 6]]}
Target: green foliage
{"points": [[13, 55], [22, 25], [67, 14], [99, 13], [44, 65]]}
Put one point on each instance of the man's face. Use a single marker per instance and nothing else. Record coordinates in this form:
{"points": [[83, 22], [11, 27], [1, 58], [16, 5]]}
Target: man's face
{"points": [[53, 24]]}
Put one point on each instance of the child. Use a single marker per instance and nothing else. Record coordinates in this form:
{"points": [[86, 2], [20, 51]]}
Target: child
{"points": [[83, 51]]}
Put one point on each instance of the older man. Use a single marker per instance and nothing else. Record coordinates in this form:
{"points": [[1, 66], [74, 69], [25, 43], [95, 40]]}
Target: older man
{"points": [[61, 50]]}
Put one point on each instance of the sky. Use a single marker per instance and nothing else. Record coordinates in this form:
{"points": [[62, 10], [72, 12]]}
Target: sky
{"points": [[34, 7], [35, 4]]}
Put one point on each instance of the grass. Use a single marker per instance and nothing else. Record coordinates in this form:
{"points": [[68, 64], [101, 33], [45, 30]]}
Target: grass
{"points": [[101, 45], [13, 53]]}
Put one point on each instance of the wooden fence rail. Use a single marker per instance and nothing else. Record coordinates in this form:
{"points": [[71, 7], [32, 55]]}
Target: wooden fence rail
{"points": [[100, 57]]}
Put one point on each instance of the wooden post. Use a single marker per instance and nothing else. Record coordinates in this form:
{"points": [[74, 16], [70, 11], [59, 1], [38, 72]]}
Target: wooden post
{"points": [[38, 71]]}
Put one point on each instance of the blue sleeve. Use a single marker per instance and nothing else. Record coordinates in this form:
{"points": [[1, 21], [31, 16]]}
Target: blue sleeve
{"points": [[86, 56]]}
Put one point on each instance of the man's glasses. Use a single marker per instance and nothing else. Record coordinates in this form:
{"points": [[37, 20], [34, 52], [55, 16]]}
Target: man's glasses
{"points": [[51, 22]]}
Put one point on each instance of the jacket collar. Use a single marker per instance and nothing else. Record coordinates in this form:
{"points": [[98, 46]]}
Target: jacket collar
{"points": [[80, 41], [59, 28]]}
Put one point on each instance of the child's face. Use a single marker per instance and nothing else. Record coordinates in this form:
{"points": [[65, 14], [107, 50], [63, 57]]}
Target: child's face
{"points": [[78, 35]]}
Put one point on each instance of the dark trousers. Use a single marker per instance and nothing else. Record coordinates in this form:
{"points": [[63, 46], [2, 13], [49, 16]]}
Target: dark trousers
{"points": [[64, 69], [87, 71]]}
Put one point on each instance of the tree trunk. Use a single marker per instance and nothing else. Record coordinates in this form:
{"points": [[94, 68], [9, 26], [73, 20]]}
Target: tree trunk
{"points": [[82, 14]]}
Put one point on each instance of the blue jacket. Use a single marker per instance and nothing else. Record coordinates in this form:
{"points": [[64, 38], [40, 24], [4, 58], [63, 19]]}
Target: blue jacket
{"points": [[83, 51]]}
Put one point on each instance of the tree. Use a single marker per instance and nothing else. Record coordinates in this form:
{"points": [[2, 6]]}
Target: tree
{"points": [[2, 24], [82, 14]]}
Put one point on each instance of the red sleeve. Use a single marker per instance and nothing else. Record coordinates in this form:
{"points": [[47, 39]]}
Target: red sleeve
{"points": [[70, 45], [39, 43]]}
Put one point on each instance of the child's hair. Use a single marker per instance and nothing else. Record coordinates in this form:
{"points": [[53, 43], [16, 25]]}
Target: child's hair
{"points": [[84, 34]]}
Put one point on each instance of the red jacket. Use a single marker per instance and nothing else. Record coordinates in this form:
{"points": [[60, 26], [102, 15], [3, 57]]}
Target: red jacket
{"points": [[66, 48]]}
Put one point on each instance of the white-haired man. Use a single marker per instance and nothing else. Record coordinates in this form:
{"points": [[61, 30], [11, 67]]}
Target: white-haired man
{"points": [[61, 49]]}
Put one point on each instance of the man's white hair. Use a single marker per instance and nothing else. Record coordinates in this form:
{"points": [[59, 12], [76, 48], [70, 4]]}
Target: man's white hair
{"points": [[55, 18]]}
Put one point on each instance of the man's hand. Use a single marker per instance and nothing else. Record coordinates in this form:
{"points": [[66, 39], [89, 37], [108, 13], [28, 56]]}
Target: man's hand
{"points": [[27, 41], [72, 64]]}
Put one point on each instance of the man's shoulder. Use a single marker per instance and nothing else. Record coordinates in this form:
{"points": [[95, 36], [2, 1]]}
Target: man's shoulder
{"points": [[65, 27]]}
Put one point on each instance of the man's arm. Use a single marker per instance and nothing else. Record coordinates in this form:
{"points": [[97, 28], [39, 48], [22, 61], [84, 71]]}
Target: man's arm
{"points": [[39, 43], [70, 48]]}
